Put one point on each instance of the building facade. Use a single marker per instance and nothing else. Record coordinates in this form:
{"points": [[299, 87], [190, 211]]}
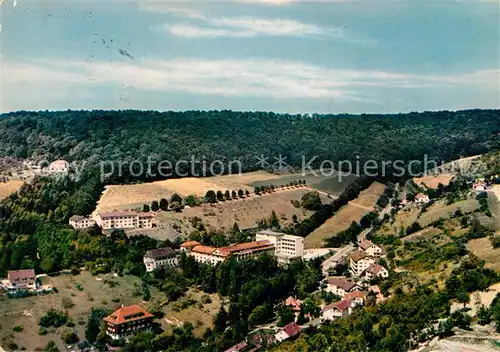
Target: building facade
{"points": [[160, 258], [341, 287], [287, 247], [370, 248], [376, 270], [81, 222], [336, 310], [124, 220], [21, 280], [359, 261], [128, 321]]}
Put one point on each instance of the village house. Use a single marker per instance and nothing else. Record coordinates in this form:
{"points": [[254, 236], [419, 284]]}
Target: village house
{"points": [[287, 332], [422, 198], [376, 270], [124, 220], [239, 251], [239, 347], [295, 304], [160, 258], [370, 248], [357, 298], [81, 222], [479, 186], [286, 247], [127, 321], [359, 261], [57, 167], [340, 287], [21, 280], [336, 310]]}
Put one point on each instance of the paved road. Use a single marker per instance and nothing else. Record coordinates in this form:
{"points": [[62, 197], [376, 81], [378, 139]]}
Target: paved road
{"points": [[339, 254]]}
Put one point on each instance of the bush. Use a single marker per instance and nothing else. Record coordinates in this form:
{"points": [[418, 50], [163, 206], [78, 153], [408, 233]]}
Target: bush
{"points": [[67, 303], [42, 331], [69, 337], [495, 242], [18, 328], [53, 318], [205, 299]]}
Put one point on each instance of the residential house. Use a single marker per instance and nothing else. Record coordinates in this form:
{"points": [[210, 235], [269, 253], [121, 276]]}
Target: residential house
{"points": [[127, 321], [422, 198], [340, 287], [336, 310], [370, 248], [479, 186], [287, 332], [294, 303], [21, 280], [124, 220], [357, 298], [160, 258], [81, 222], [359, 261], [376, 270], [239, 347], [58, 167]]}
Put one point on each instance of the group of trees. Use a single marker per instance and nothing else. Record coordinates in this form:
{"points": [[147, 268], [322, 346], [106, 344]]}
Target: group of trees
{"points": [[271, 188], [175, 204], [213, 197]]}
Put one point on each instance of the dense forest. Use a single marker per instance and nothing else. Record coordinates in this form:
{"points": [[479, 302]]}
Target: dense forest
{"points": [[123, 136]]}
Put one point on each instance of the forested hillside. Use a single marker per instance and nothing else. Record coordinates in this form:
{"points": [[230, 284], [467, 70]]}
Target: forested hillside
{"points": [[229, 135]]}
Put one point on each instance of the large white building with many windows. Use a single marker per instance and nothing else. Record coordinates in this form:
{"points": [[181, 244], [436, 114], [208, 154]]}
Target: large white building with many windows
{"points": [[81, 222], [124, 220], [286, 247]]}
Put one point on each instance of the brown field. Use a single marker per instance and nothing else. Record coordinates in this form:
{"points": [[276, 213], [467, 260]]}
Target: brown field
{"points": [[482, 248], [28, 311], [133, 196], [431, 181], [353, 211], [9, 187], [222, 216], [438, 210]]}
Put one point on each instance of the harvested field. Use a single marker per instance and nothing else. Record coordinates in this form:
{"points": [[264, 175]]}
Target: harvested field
{"points": [[222, 216], [92, 293], [9, 187], [438, 210], [353, 211], [482, 248], [431, 181], [132, 196]]}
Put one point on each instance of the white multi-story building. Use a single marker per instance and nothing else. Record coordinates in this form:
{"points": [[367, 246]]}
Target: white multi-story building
{"points": [[370, 248], [287, 247], [359, 261], [81, 222], [160, 258], [124, 220]]}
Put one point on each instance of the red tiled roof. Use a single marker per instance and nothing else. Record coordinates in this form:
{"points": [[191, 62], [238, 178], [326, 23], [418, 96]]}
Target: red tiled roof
{"points": [[291, 329], [203, 249], [59, 164], [14, 275], [356, 256], [238, 347], [374, 268], [292, 302], [128, 313], [344, 284], [365, 244], [420, 195], [188, 244], [115, 214], [342, 305], [145, 215], [355, 294], [247, 246]]}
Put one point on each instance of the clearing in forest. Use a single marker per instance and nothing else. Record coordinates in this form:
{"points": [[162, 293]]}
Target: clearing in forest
{"points": [[9, 187]]}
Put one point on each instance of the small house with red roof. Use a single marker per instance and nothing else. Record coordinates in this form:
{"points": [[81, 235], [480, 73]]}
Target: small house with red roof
{"points": [[357, 298], [127, 321], [370, 248], [239, 347], [376, 270], [288, 331], [340, 287], [336, 310]]}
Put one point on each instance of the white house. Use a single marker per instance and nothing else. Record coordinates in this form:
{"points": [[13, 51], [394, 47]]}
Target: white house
{"points": [[336, 310], [370, 248], [160, 258], [340, 287], [422, 198], [21, 280], [287, 332], [357, 298], [359, 261], [376, 270], [58, 167], [81, 222]]}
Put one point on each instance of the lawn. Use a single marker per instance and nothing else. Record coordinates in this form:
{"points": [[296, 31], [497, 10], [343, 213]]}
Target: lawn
{"points": [[9, 187], [83, 291]]}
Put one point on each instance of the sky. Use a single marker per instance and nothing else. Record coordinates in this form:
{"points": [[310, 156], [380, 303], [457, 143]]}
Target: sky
{"points": [[259, 55]]}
